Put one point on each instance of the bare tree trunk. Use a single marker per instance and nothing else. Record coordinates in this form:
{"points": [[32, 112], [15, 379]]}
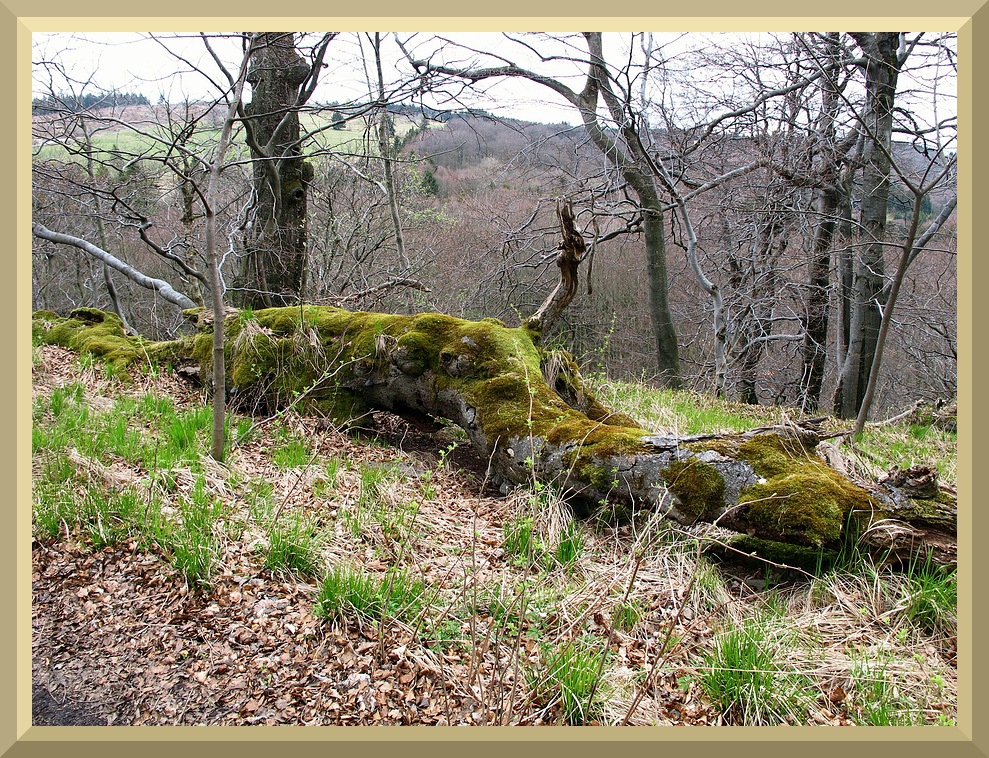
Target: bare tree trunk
{"points": [[817, 302], [909, 252], [218, 359], [385, 153], [869, 286], [845, 267], [100, 227]]}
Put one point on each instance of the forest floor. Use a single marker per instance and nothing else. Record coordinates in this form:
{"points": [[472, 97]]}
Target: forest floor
{"points": [[514, 613]]}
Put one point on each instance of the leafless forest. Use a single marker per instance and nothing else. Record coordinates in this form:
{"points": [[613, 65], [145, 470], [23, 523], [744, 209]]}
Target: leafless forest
{"points": [[758, 210], [710, 479]]}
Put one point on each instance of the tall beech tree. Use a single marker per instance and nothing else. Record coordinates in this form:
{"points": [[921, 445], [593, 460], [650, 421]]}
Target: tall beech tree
{"points": [[624, 149], [274, 264], [882, 62]]}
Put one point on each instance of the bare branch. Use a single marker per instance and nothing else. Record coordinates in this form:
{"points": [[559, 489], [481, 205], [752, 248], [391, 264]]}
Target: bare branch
{"points": [[163, 288]]}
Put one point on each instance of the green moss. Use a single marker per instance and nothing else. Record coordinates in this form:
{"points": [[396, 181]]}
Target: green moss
{"points": [[799, 507], [279, 320], [800, 499], [173, 350], [261, 359], [726, 447], [930, 511], [753, 551], [494, 368], [202, 351], [91, 331], [341, 405], [41, 323], [699, 487], [604, 478], [561, 371], [770, 455], [598, 442]]}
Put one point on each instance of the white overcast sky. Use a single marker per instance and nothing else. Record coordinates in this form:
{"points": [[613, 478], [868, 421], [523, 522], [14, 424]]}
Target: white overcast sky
{"points": [[136, 62]]}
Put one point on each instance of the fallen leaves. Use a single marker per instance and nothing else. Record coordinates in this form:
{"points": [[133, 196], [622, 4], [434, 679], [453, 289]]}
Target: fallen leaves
{"points": [[120, 630]]}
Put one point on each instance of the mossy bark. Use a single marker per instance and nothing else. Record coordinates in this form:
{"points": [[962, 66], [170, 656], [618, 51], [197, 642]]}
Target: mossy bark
{"points": [[489, 379], [273, 268]]}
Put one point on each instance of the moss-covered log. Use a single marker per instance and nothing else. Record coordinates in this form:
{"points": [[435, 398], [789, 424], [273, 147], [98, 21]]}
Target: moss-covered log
{"points": [[526, 411]]}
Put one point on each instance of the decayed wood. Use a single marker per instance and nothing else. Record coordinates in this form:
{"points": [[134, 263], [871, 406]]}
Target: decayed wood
{"points": [[528, 413], [487, 378], [572, 251]]}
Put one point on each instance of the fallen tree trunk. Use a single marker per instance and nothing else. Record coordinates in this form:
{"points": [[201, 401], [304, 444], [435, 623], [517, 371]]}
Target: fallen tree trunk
{"points": [[528, 413]]}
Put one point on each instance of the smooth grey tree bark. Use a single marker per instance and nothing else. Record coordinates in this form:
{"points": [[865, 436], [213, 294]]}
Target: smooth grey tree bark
{"points": [[829, 162], [160, 286], [882, 67]]}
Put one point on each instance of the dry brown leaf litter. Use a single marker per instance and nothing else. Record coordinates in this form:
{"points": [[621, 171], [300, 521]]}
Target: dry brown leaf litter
{"points": [[120, 639]]}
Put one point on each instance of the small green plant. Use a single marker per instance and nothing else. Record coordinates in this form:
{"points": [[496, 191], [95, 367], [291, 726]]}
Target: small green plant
{"points": [[194, 545], [521, 543], [446, 635], [709, 589], [745, 676], [120, 438], [369, 489], [153, 407], [375, 501], [258, 494], [569, 673], [60, 397], [504, 607], [446, 453], [55, 506], [333, 467], [571, 544], [292, 454], [373, 483], [110, 516], [626, 616], [428, 490], [397, 521], [877, 700], [325, 484], [246, 430], [930, 597], [347, 591], [186, 434], [294, 546]]}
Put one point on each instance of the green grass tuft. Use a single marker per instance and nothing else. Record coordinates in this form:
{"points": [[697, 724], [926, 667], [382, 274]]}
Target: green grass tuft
{"points": [[194, 544], [746, 675], [347, 591], [930, 598], [294, 547], [569, 674], [292, 454]]}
